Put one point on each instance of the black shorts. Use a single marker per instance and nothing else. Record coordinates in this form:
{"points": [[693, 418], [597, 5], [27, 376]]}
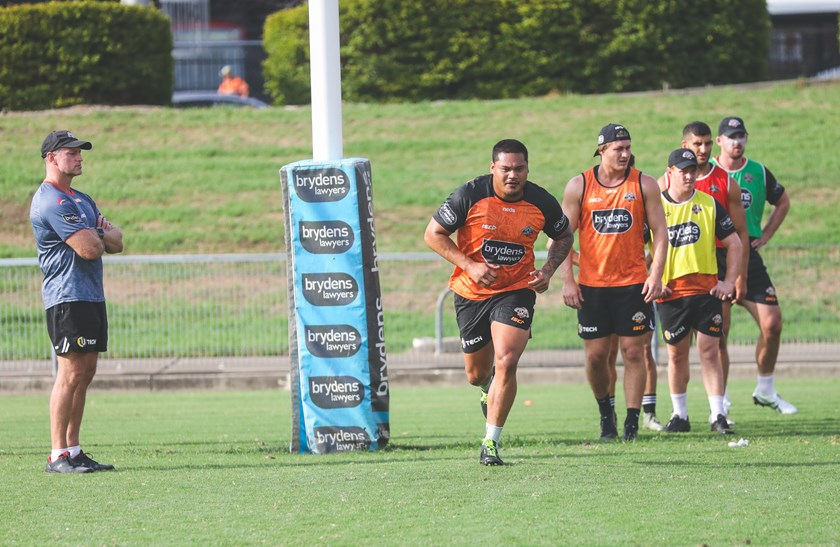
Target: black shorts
{"points": [[515, 308], [760, 288], [80, 327], [701, 312], [614, 310]]}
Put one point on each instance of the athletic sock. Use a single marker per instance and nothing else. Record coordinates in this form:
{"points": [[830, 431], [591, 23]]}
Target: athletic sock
{"points": [[649, 403], [56, 452], [74, 451], [604, 406], [492, 432], [680, 404], [632, 417], [726, 400], [765, 385], [716, 406]]}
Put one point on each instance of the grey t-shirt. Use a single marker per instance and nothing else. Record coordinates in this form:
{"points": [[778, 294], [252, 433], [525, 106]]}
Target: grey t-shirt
{"points": [[55, 216]]}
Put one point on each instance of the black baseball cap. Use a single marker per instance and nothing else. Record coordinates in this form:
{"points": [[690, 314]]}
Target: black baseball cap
{"points": [[731, 125], [682, 158], [610, 133], [62, 139]]}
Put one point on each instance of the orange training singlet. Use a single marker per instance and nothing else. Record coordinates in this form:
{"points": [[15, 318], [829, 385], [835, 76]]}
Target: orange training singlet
{"points": [[611, 232]]}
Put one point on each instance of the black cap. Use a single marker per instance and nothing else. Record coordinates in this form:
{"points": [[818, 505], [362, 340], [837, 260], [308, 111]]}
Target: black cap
{"points": [[731, 125], [610, 133], [62, 139], [682, 158]]}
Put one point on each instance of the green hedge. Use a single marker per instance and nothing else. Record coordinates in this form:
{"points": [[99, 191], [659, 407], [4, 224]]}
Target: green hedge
{"points": [[68, 53], [415, 50]]}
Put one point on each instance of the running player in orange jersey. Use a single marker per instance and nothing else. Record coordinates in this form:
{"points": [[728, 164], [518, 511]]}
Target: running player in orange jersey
{"points": [[713, 180], [498, 218], [610, 205]]}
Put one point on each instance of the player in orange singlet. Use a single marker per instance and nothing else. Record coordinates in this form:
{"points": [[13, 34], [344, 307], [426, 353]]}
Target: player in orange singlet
{"points": [[498, 218], [609, 205]]}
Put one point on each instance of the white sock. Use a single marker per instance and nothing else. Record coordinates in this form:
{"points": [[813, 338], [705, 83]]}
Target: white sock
{"points": [[716, 405], [765, 385], [492, 432], [726, 400], [680, 403], [74, 451], [56, 452]]}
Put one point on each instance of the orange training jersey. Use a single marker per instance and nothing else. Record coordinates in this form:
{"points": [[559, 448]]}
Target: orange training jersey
{"points": [[611, 232], [496, 231], [716, 184]]}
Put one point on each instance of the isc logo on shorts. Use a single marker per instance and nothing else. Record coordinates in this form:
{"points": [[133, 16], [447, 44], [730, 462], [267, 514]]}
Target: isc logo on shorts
{"points": [[82, 341], [474, 341]]}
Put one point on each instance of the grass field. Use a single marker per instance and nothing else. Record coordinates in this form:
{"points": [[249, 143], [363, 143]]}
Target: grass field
{"points": [[214, 468], [206, 180]]}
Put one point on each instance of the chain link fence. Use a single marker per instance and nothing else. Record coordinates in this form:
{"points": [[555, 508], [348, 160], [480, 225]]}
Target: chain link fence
{"points": [[195, 306]]}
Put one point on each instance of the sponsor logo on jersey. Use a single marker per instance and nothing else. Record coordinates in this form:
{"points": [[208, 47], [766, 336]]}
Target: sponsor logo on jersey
{"points": [[629, 196], [61, 200], [321, 185], [746, 198], [561, 224], [727, 223], [596, 200], [687, 233], [528, 231], [490, 227], [505, 253], [612, 221], [329, 289], [446, 214], [696, 209], [508, 209], [72, 219]]}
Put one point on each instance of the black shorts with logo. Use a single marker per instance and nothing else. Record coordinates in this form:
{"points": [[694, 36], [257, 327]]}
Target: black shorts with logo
{"points": [[760, 288], [701, 312], [80, 327], [619, 310], [514, 308]]}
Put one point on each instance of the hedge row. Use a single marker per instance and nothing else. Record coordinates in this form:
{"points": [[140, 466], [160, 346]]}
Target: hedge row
{"points": [[397, 50], [62, 54]]}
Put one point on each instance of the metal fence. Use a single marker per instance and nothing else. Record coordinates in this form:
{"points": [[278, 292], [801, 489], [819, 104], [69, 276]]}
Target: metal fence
{"points": [[171, 307]]}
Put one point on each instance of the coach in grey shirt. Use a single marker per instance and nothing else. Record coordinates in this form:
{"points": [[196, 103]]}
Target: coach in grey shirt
{"points": [[71, 235]]}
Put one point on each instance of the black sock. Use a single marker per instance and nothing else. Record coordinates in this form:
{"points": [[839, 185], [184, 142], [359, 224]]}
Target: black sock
{"points": [[604, 406], [649, 408], [632, 417]]}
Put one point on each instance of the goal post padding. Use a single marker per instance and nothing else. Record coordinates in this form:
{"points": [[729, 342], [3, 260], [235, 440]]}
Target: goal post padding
{"points": [[339, 375]]}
